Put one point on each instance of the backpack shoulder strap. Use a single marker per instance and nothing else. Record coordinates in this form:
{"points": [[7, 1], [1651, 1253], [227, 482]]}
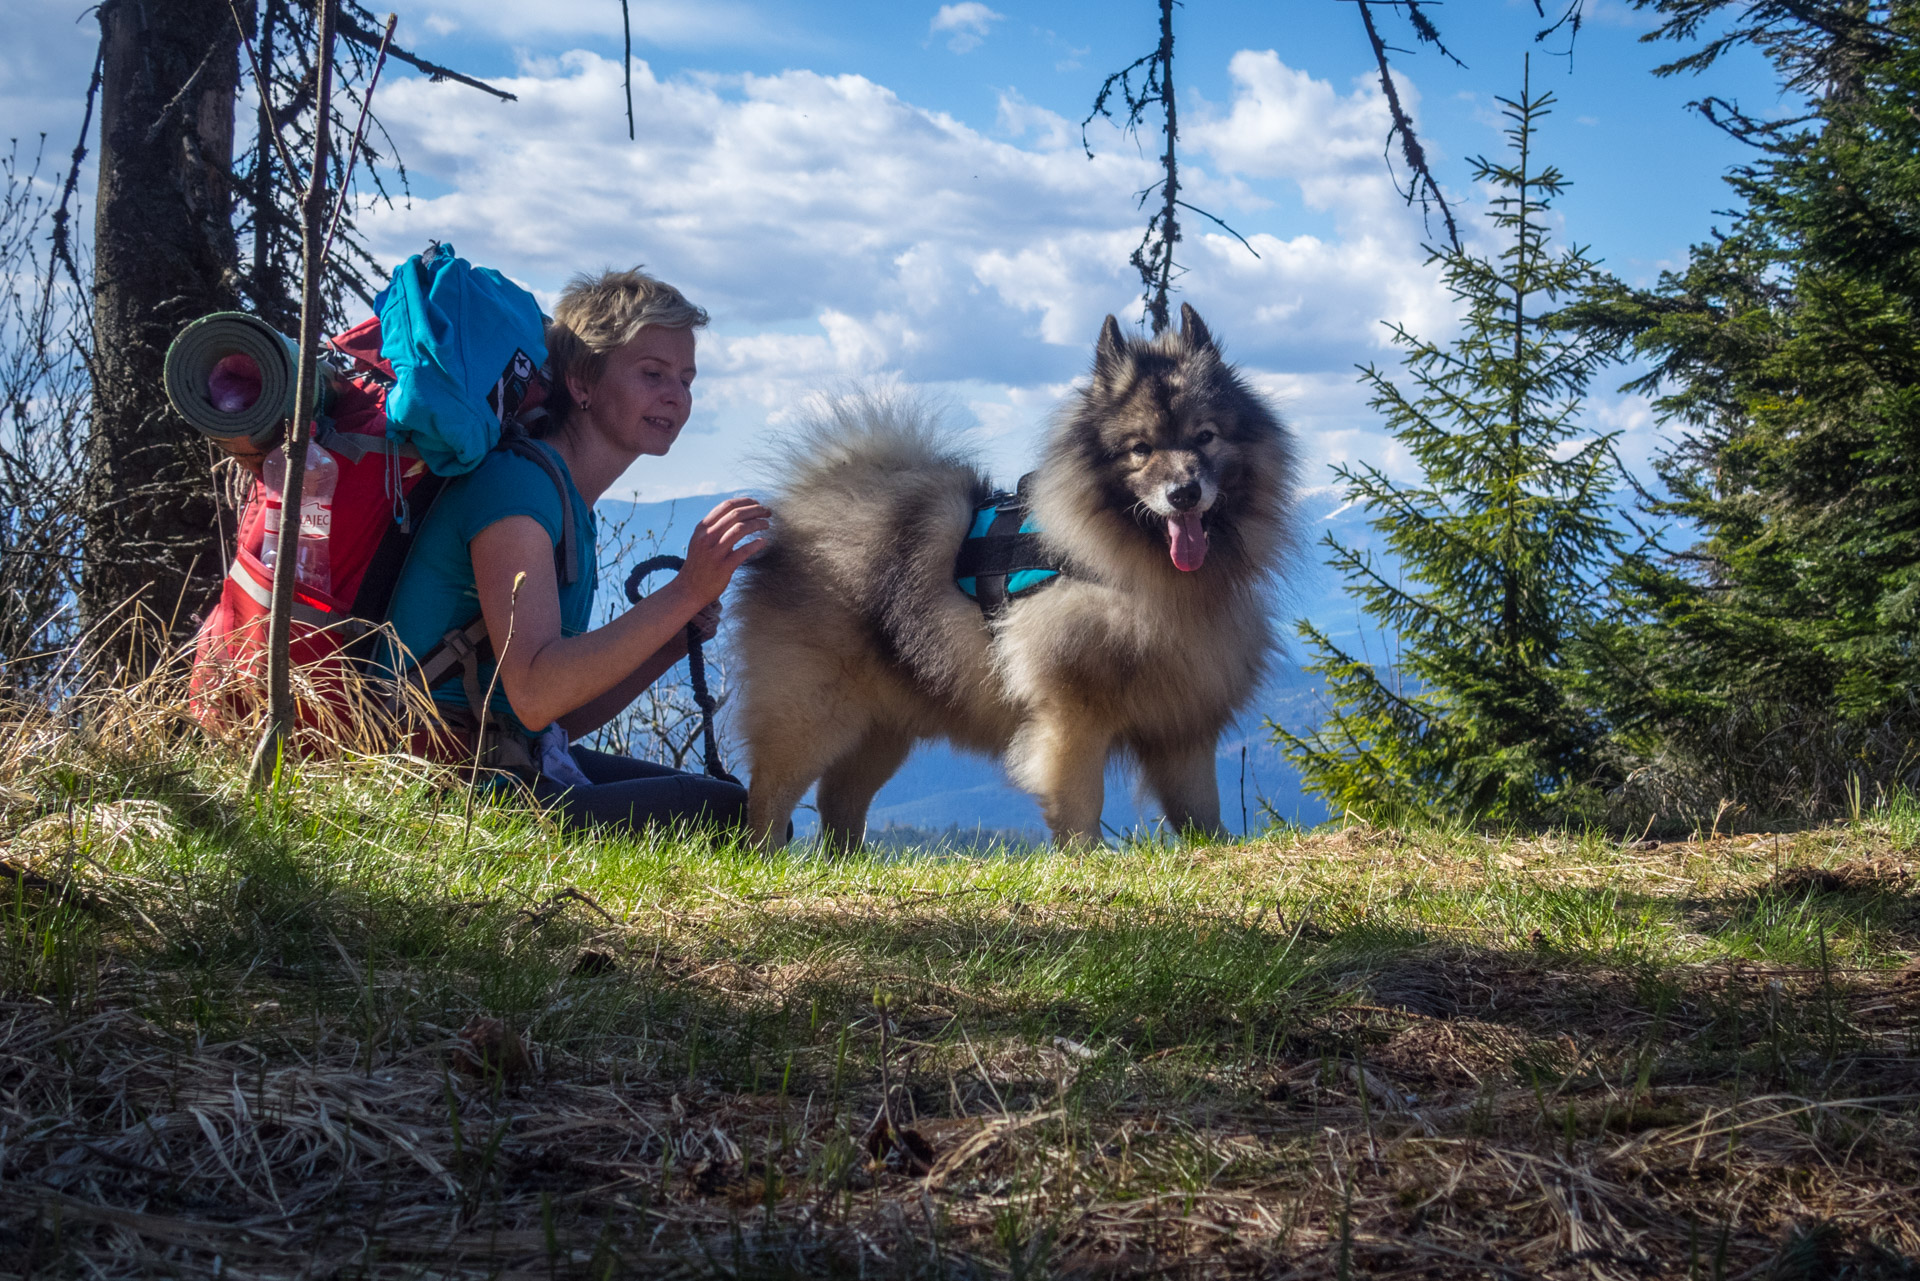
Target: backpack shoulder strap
{"points": [[467, 647], [355, 445], [463, 648], [566, 561], [375, 597]]}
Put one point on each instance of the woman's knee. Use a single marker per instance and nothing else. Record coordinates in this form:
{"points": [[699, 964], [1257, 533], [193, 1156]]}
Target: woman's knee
{"points": [[718, 800], [672, 801], [605, 767]]}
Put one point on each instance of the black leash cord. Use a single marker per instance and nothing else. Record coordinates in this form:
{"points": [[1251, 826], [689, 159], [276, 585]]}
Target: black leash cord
{"points": [[696, 665]]}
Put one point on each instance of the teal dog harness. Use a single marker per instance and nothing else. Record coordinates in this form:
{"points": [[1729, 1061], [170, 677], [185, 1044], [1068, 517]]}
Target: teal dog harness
{"points": [[1002, 558]]}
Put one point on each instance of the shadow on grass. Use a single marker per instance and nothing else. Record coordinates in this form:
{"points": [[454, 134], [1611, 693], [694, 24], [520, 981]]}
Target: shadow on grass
{"points": [[1124, 1038]]}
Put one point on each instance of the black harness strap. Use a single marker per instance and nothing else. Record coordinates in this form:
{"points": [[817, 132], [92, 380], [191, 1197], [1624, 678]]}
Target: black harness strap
{"points": [[990, 560], [696, 667], [469, 654]]}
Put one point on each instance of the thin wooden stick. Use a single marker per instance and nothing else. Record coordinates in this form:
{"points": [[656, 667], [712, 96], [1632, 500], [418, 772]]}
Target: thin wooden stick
{"points": [[313, 207], [1162, 275]]}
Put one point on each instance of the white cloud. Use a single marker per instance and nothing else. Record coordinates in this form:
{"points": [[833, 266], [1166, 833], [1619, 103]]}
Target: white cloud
{"points": [[1285, 124], [1051, 131], [968, 21], [837, 231]]}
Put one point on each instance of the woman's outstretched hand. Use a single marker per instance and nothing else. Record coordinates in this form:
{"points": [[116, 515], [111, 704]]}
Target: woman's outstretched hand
{"points": [[722, 542]]}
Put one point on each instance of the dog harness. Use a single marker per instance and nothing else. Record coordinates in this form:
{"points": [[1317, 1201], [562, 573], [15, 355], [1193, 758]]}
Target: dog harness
{"points": [[1002, 558]]}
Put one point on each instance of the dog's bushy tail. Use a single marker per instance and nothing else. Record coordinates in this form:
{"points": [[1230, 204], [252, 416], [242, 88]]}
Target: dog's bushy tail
{"points": [[871, 499], [864, 435]]}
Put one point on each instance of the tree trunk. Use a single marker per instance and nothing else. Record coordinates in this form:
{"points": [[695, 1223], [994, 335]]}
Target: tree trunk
{"points": [[164, 254]]}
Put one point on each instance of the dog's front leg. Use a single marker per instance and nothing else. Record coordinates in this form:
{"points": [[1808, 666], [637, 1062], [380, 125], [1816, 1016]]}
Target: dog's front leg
{"points": [[786, 757], [1060, 756], [848, 787], [1183, 777], [770, 807]]}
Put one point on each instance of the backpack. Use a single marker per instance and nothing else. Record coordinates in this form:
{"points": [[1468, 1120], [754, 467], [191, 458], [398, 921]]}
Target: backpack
{"points": [[448, 368], [464, 346]]}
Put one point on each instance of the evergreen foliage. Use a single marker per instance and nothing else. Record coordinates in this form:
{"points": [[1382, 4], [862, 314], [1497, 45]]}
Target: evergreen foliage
{"points": [[1774, 659], [1500, 547]]}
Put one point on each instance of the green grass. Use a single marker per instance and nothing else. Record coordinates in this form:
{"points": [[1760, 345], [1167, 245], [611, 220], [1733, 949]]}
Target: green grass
{"points": [[266, 1026]]}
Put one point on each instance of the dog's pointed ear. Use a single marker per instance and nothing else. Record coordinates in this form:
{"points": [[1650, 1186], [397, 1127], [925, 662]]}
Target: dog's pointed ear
{"points": [[1193, 330], [1111, 349]]}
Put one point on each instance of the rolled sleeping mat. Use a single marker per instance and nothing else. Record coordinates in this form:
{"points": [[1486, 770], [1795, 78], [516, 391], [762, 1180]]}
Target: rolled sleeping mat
{"points": [[231, 376]]}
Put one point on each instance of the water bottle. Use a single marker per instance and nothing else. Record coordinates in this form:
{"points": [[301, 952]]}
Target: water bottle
{"points": [[310, 566]]}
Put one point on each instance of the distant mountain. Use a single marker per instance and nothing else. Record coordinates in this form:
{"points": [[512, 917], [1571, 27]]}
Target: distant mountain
{"points": [[942, 793]]}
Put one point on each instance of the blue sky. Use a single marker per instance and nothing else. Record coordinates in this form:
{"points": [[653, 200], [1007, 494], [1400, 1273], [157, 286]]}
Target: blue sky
{"points": [[872, 192], [1660, 165]]}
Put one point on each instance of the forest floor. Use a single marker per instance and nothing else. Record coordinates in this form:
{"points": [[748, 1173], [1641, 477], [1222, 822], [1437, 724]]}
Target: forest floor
{"points": [[349, 1026]]}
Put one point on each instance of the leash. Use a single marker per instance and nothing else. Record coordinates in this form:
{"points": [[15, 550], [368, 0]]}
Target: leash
{"points": [[696, 665]]}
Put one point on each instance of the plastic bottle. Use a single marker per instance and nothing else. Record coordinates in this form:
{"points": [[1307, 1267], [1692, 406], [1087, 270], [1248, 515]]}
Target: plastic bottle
{"points": [[311, 567]]}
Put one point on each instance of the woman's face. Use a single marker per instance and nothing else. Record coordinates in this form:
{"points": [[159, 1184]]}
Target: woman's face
{"points": [[645, 393]]}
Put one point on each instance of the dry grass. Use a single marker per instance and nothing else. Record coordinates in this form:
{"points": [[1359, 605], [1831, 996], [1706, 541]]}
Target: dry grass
{"points": [[341, 1029]]}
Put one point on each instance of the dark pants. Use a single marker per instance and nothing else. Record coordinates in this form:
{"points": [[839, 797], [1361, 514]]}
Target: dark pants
{"points": [[636, 794]]}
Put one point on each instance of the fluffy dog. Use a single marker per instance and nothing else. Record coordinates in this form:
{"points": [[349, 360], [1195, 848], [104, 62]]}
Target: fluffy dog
{"points": [[1164, 493]]}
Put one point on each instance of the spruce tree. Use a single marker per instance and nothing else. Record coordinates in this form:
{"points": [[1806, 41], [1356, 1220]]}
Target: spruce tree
{"points": [[1772, 655], [1495, 555]]}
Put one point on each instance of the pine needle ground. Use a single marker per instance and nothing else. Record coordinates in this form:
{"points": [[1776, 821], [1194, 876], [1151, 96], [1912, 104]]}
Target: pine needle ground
{"points": [[350, 1026]]}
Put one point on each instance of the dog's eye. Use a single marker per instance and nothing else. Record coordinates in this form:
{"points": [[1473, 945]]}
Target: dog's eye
{"points": [[1204, 438], [1141, 449]]}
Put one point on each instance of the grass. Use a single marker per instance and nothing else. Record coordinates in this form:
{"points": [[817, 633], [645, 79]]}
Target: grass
{"points": [[344, 1026]]}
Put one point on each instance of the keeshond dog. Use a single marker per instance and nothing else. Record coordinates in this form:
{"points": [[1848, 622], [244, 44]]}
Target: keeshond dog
{"points": [[1164, 496]]}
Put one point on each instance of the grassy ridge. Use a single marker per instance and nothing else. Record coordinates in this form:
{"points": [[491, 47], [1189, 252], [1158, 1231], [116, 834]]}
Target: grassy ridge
{"points": [[353, 1025]]}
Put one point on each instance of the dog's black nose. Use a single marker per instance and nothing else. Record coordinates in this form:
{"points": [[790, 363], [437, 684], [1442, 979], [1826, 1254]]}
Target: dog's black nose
{"points": [[1183, 497]]}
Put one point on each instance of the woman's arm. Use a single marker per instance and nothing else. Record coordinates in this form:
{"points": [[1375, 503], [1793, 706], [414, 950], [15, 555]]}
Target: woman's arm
{"points": [[547, 675], [582, 721]]}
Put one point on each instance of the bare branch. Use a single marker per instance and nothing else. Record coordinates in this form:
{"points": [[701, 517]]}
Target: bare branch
{"points": [[62, 252], [261, 87], [359, 136], [1221, 224], [1428, 33], [626, 30], [1421, 185], [360, 35]]}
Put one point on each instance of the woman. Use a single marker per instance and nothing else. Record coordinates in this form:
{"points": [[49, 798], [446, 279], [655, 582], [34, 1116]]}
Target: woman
{"points": [[621, 349]]}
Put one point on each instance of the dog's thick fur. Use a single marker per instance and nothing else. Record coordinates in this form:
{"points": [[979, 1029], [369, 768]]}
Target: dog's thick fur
{"points": [[855, 642]]}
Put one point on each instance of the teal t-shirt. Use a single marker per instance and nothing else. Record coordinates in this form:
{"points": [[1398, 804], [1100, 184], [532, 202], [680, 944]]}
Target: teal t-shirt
{"points": [[435, 593]]}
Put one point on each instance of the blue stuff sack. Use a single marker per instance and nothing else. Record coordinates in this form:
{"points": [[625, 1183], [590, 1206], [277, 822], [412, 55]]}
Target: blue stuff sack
{"points": [[464, 342]]}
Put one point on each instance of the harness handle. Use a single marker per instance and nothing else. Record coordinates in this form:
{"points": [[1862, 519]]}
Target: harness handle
{"points": [[696, 665]]}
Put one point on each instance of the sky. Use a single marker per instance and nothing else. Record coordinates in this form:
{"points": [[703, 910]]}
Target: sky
{"points": [[898, 193]]}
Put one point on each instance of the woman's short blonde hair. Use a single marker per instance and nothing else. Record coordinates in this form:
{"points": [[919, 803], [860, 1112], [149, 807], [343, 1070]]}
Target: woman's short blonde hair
{"points": [[598, 314]]}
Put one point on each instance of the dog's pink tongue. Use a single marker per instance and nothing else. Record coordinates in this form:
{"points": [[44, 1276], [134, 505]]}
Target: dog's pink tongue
{"points": [[1187, 541]]}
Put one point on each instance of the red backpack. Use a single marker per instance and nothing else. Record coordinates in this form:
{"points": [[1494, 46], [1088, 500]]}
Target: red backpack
{"points": [[383, 493]]}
